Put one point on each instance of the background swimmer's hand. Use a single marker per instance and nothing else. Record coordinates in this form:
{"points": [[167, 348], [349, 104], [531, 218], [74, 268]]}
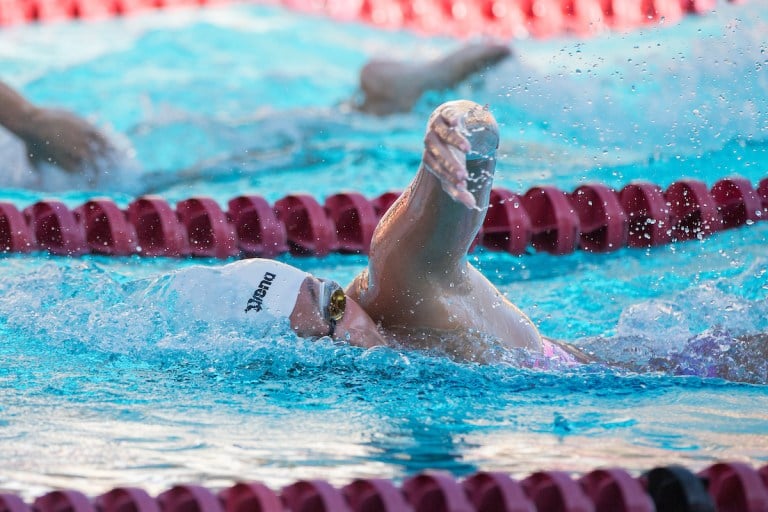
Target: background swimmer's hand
{"points": [[445, 148], [63, 139]]}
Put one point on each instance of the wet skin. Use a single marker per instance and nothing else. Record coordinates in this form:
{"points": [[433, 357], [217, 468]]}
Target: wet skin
{"points": [[418, 278], [308, 321]]}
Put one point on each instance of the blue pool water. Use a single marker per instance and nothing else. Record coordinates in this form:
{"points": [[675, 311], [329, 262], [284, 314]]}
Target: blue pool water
{"points": [[98, 388]]}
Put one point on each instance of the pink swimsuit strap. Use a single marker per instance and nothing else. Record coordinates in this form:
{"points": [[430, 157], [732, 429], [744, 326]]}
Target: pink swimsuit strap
{"points": [[556, 353]]}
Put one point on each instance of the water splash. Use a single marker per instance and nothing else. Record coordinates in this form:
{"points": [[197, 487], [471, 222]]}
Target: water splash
{"points": [[118, 170], [703, 331]]}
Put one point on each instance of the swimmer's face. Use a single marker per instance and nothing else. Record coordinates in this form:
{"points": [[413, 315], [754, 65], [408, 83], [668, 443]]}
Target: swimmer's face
{"points": [[310, 317]]}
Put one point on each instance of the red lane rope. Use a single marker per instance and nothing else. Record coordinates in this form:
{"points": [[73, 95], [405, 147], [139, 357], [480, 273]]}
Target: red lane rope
{"points": [[721, 486], [592, 218], [462, 18]]}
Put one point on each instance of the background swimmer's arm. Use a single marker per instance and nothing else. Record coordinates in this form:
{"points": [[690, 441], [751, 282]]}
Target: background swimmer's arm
{"points": [[14, 109], [52, 135], [429, 229], [394, 86]]}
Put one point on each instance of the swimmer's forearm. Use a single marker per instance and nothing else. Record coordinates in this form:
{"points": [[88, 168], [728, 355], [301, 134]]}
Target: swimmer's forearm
{"points": [[15, 111], [429, 229], [457, 65], [427, 226], [449, 226]]}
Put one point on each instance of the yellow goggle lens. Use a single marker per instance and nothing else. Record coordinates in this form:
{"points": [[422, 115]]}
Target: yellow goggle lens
{"points": [[337, 304]]}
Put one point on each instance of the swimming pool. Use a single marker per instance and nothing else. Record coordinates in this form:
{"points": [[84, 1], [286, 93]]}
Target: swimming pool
{"points": [[98, 392]]}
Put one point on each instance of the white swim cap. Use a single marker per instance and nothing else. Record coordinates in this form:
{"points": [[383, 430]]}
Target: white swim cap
{"points": [[252, 290]]}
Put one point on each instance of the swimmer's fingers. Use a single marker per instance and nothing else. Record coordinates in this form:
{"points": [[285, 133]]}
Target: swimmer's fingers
{"points": [[446, 163], [443, 162], [446, 147], [445, 154], [446, 127]]}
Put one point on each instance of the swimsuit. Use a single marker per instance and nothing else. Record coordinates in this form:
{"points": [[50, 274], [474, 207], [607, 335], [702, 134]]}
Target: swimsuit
{"points": [[554, 353]]}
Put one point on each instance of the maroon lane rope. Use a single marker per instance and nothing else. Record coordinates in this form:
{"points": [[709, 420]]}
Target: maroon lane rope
{"points": [[592, 218], [720, 487], [461, 18]]}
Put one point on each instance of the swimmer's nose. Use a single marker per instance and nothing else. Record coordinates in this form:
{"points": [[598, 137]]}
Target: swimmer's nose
{"points": [[479, 126]]}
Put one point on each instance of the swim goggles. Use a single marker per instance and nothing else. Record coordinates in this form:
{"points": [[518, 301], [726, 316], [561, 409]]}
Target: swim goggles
{"points": [[334, 302]]}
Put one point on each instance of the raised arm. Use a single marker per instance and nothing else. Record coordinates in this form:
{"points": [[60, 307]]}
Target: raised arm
{"points": [[391, 86], [418, 253], [430, 228]]}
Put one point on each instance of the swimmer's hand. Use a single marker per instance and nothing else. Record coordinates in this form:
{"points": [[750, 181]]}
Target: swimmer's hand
{"points": [[445, 148], [63, 139]]}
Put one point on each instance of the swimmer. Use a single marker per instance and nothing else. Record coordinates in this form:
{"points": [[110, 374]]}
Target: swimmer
{"points": [[256, 293], [418, 285], [61, 139], [53, 136]]}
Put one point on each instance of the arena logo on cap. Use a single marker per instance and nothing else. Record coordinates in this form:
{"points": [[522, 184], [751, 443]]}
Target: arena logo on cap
{"points": [[257, 300]]}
